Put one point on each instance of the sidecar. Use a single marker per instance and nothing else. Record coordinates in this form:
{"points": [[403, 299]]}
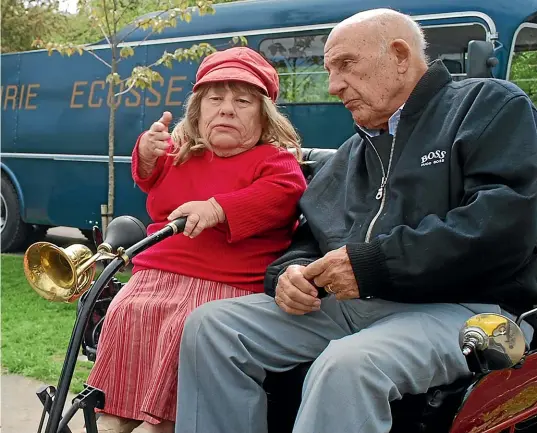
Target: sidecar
{"points": [[500, 396]]}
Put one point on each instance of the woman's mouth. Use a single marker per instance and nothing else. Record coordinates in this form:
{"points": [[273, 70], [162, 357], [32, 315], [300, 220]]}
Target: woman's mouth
{"points": [[223, 125]]}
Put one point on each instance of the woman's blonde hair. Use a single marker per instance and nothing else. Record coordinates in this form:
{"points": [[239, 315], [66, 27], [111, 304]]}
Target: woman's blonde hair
{"points": [[277, 130]]}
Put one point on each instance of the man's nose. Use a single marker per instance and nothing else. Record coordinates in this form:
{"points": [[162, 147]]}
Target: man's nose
{"points": [[335, 85]]}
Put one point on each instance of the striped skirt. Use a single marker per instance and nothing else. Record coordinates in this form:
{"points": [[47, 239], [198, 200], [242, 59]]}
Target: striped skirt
{"points": [[138, 351]]}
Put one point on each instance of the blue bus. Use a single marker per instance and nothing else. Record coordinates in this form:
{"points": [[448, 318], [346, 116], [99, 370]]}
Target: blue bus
{"points": [[54, 155]]}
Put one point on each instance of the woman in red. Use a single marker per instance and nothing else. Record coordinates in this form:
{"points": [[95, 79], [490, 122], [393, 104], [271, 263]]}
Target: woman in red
{"points": [[228, 169]]}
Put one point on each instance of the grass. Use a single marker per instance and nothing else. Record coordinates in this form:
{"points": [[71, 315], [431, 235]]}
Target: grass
{"points": [[36, 332]]}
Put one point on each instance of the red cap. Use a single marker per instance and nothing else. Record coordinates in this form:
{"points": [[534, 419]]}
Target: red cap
{"points": [[239, 64]]}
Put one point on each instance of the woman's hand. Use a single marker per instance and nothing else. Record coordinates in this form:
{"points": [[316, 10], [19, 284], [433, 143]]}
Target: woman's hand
{"points": [[200, 215], [154, 143]]}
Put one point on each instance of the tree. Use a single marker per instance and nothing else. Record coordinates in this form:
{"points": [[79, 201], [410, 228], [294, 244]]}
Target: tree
{"points": [[24, 21], [81, 31], [113, 19]]}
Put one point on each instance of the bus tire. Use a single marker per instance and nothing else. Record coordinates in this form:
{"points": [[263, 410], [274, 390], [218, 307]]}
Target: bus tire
{"points": [[14, 231]]}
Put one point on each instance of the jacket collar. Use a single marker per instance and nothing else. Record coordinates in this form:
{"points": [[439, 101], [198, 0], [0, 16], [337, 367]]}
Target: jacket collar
{"points": [[436, 77]]}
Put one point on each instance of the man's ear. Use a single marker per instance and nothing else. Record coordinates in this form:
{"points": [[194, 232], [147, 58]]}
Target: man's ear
{"points": [[402, 52]]}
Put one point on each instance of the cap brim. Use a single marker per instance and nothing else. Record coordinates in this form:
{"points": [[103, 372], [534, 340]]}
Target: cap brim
{"points": [[231, 74]]}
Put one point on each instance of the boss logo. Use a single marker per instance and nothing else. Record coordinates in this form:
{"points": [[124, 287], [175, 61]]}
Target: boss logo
{"points": [[434, 157]]}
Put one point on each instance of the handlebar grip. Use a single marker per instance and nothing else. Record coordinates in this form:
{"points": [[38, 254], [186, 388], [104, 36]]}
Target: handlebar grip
{"points": [[177, 225]]}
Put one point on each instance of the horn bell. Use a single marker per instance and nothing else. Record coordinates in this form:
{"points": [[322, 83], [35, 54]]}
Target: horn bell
{"points": [[59, 274]]}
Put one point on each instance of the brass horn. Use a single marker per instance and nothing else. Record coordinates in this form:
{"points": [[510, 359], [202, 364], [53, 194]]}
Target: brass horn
{"points": [[62, 274]]}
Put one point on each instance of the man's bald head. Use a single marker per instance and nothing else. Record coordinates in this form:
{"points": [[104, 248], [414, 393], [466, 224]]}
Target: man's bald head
{"points": [[374, 60], [385, 25]]}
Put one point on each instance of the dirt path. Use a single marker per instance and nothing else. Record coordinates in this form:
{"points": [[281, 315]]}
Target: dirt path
{"points": [[20, 407]]}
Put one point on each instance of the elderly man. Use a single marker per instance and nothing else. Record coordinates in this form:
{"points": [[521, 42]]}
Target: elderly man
{"points": [[423, 218]]}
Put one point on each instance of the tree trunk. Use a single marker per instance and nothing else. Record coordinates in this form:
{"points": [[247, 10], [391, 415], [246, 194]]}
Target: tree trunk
{"points": [[111, 136], [111, 170]]}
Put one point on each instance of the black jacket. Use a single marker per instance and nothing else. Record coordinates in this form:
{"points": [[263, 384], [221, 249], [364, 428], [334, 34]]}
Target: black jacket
{"points": [[457, 218]]}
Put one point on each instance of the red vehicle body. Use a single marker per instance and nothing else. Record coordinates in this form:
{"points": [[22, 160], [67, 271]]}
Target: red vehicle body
{"points": [[502, 401]]}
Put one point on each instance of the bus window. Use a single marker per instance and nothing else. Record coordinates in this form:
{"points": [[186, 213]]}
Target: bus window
{"points": [[450, 43], [299, 61], [523, 71]]}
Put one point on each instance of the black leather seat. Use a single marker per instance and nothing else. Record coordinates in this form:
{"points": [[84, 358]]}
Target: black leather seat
{"points": [[314, 160]]}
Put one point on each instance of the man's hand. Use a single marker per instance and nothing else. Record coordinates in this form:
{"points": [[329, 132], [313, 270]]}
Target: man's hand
{"points": [[335, 271], [200, 215], [154, 142], [295, 294]]}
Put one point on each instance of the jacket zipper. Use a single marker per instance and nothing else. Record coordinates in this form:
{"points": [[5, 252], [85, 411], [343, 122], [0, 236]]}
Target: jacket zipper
{"points": [[382, 189]]}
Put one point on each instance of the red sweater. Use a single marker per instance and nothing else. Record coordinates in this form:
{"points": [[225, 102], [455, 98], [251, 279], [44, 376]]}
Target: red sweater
{"points": [[259, 192]]}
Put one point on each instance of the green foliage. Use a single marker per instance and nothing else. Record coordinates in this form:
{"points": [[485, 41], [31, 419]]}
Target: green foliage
{"points": [[524, 72], [143, 77], [126, 52], [25, 21], [299, 62], [113, 78], [239, 40]]}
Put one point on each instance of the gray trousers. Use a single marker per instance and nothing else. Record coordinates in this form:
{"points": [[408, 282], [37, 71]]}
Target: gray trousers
{"points": [[367, 353]]}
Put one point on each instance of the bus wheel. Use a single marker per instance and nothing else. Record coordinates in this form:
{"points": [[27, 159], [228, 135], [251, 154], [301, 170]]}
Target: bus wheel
{"points": [[14, 231]]}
